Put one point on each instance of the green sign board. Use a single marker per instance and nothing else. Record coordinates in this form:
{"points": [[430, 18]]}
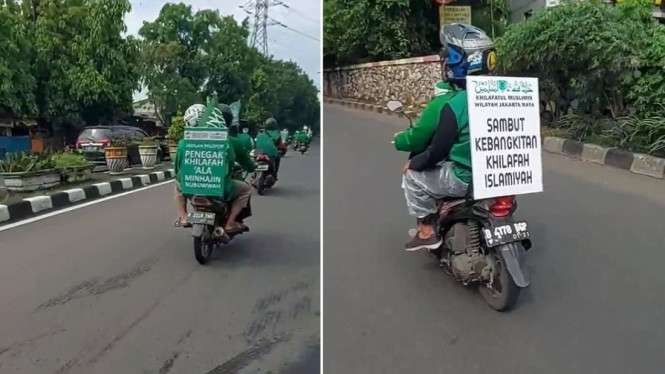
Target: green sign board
{"points": [[205, 165]]}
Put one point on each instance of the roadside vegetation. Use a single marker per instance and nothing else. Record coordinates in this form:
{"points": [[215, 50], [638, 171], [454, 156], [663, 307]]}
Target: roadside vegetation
{"points": [[70, 63], [601, 71]]}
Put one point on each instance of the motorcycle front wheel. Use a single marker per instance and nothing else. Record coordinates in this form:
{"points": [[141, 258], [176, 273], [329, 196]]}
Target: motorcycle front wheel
{"points": [[503, 294]]}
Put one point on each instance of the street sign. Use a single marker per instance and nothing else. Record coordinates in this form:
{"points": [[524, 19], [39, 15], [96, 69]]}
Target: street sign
{"points": [[204, 165], [504, 123], [454, 14]]}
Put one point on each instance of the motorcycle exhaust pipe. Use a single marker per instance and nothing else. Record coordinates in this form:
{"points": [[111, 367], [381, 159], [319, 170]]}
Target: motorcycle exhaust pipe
{"points": [[218, 232]]}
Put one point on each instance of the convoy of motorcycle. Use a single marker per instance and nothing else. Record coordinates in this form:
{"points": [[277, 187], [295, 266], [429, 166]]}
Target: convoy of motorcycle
{"points": [[484, 244], [207, 215]]}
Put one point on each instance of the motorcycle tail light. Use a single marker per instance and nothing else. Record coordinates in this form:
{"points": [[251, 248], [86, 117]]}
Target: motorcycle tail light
{"points": [[201, 201], [262, 158], [502, 206]]}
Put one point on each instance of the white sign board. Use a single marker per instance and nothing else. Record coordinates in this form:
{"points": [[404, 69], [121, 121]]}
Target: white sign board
{"points": [[504, 123]]}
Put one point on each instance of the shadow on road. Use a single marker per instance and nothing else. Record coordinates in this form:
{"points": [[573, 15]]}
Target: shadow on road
{"points": [[264, 249]]}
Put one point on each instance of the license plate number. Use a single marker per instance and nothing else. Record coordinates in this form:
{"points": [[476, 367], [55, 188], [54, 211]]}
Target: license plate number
{"points": [[503, 234], [262, 167], [90, 148], [202, 218]]}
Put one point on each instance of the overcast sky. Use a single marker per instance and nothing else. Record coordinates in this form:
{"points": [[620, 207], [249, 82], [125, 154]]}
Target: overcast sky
{"points": [[303, 16]]}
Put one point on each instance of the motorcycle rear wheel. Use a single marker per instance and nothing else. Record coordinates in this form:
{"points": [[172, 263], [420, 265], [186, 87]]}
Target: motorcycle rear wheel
{"points": [[504, 292], [202, 250]]}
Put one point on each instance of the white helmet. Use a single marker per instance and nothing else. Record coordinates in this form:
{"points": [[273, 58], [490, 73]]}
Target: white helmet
{"points": [[193, 113]]}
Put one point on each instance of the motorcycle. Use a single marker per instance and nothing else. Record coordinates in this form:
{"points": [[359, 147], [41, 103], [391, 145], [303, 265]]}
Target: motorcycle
{"points": [[207, 218], [282, 148], [483, 245], [302, 148], [263, 177]]}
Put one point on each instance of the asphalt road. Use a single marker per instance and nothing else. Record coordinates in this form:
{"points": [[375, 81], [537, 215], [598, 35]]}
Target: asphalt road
{"points": [[114, 288], [596, 304]]}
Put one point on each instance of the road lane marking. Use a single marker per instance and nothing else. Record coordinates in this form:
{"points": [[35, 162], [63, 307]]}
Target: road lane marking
{"points": [[75, 207]]}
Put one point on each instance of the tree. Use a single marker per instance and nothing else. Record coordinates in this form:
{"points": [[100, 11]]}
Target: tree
{"points": [[362, 30], [188, 56], [17, 97], [84, 68]]}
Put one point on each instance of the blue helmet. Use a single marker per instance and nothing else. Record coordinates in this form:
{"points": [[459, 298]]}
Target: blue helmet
{"points": [[465, 50]]}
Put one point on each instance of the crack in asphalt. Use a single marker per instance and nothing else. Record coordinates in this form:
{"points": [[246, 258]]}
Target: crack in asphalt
{"points": [[246, 357], [19, 344], [95, 286], [168, 364], [76, 361]]}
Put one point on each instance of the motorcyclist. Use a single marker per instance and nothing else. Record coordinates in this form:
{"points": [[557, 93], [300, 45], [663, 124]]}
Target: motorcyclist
{"points": [[267, 142], [246, 139], [302, 138], [440, 155], [236, 192]]}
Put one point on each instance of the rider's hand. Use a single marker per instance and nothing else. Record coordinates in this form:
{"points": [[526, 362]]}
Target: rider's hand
{"points": [[406, 167]]}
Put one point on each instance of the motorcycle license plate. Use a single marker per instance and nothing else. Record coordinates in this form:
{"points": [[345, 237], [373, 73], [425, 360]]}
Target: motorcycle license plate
{"points": [[201, 218], [503, 234], [262, 167]]}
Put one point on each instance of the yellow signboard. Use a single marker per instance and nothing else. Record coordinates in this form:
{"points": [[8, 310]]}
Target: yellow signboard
{"points": [[454, 14]]}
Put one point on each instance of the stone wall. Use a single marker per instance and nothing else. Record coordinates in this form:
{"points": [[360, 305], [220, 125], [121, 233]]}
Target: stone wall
{"points": [[408, 80]]}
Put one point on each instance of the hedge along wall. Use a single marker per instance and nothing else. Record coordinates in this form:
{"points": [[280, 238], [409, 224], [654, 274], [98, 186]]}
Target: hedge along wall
{"points": [[409, 80]]}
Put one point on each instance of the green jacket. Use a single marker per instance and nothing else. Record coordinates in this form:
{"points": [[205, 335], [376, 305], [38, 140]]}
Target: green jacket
{"points": [[247, 141], [236, 153], [266, 144], [415, 139], [302, 137]]}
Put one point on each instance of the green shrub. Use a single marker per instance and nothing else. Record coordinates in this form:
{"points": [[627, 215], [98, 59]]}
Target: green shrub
{"points": [[591, 58], [177, 128], [22, 162], [68, 160]]}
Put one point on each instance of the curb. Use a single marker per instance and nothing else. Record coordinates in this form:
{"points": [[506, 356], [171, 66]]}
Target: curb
{"points": [[36, 205], [636, 163]]}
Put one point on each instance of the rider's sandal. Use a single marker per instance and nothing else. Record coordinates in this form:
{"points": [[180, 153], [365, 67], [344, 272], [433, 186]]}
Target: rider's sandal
{"points": [[181, 223]]}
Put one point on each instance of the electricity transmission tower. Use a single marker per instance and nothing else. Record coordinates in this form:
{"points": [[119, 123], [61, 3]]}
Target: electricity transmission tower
{"points": [[259, 10]]}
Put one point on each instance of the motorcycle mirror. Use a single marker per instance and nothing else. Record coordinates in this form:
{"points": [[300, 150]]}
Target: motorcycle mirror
{"points": [[395, 106]]}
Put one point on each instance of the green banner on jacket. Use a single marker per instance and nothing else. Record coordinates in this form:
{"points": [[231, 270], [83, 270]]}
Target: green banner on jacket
{"points": [[205, 164]]}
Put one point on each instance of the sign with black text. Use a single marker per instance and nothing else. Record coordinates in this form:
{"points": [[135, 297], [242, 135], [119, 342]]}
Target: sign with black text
{"points": [[504, 124]]}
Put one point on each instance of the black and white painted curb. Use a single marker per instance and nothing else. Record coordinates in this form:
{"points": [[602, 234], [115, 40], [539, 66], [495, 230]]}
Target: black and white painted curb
{"points": [[636, 163], [36, 205]]}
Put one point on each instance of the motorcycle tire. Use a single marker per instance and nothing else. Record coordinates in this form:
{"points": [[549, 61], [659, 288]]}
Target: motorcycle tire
{"points": [[260, 185], [504, 293], [202, 250]]}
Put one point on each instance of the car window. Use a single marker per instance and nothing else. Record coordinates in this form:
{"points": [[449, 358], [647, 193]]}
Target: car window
{"points": [[94, 134]]}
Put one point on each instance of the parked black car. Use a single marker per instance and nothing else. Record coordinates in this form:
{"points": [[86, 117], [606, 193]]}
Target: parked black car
{"points": [[93, 139]]}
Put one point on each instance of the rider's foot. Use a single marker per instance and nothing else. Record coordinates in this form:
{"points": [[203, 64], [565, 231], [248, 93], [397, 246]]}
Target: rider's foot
{"points": [[181, 222], [418, 242], [233, 229]]}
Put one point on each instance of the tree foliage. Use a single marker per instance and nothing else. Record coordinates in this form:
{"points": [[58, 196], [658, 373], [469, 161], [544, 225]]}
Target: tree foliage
{"points": [[596, 58], [188, 56], [17, 84], [363, 30], [601, 69], [70, 64]]}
